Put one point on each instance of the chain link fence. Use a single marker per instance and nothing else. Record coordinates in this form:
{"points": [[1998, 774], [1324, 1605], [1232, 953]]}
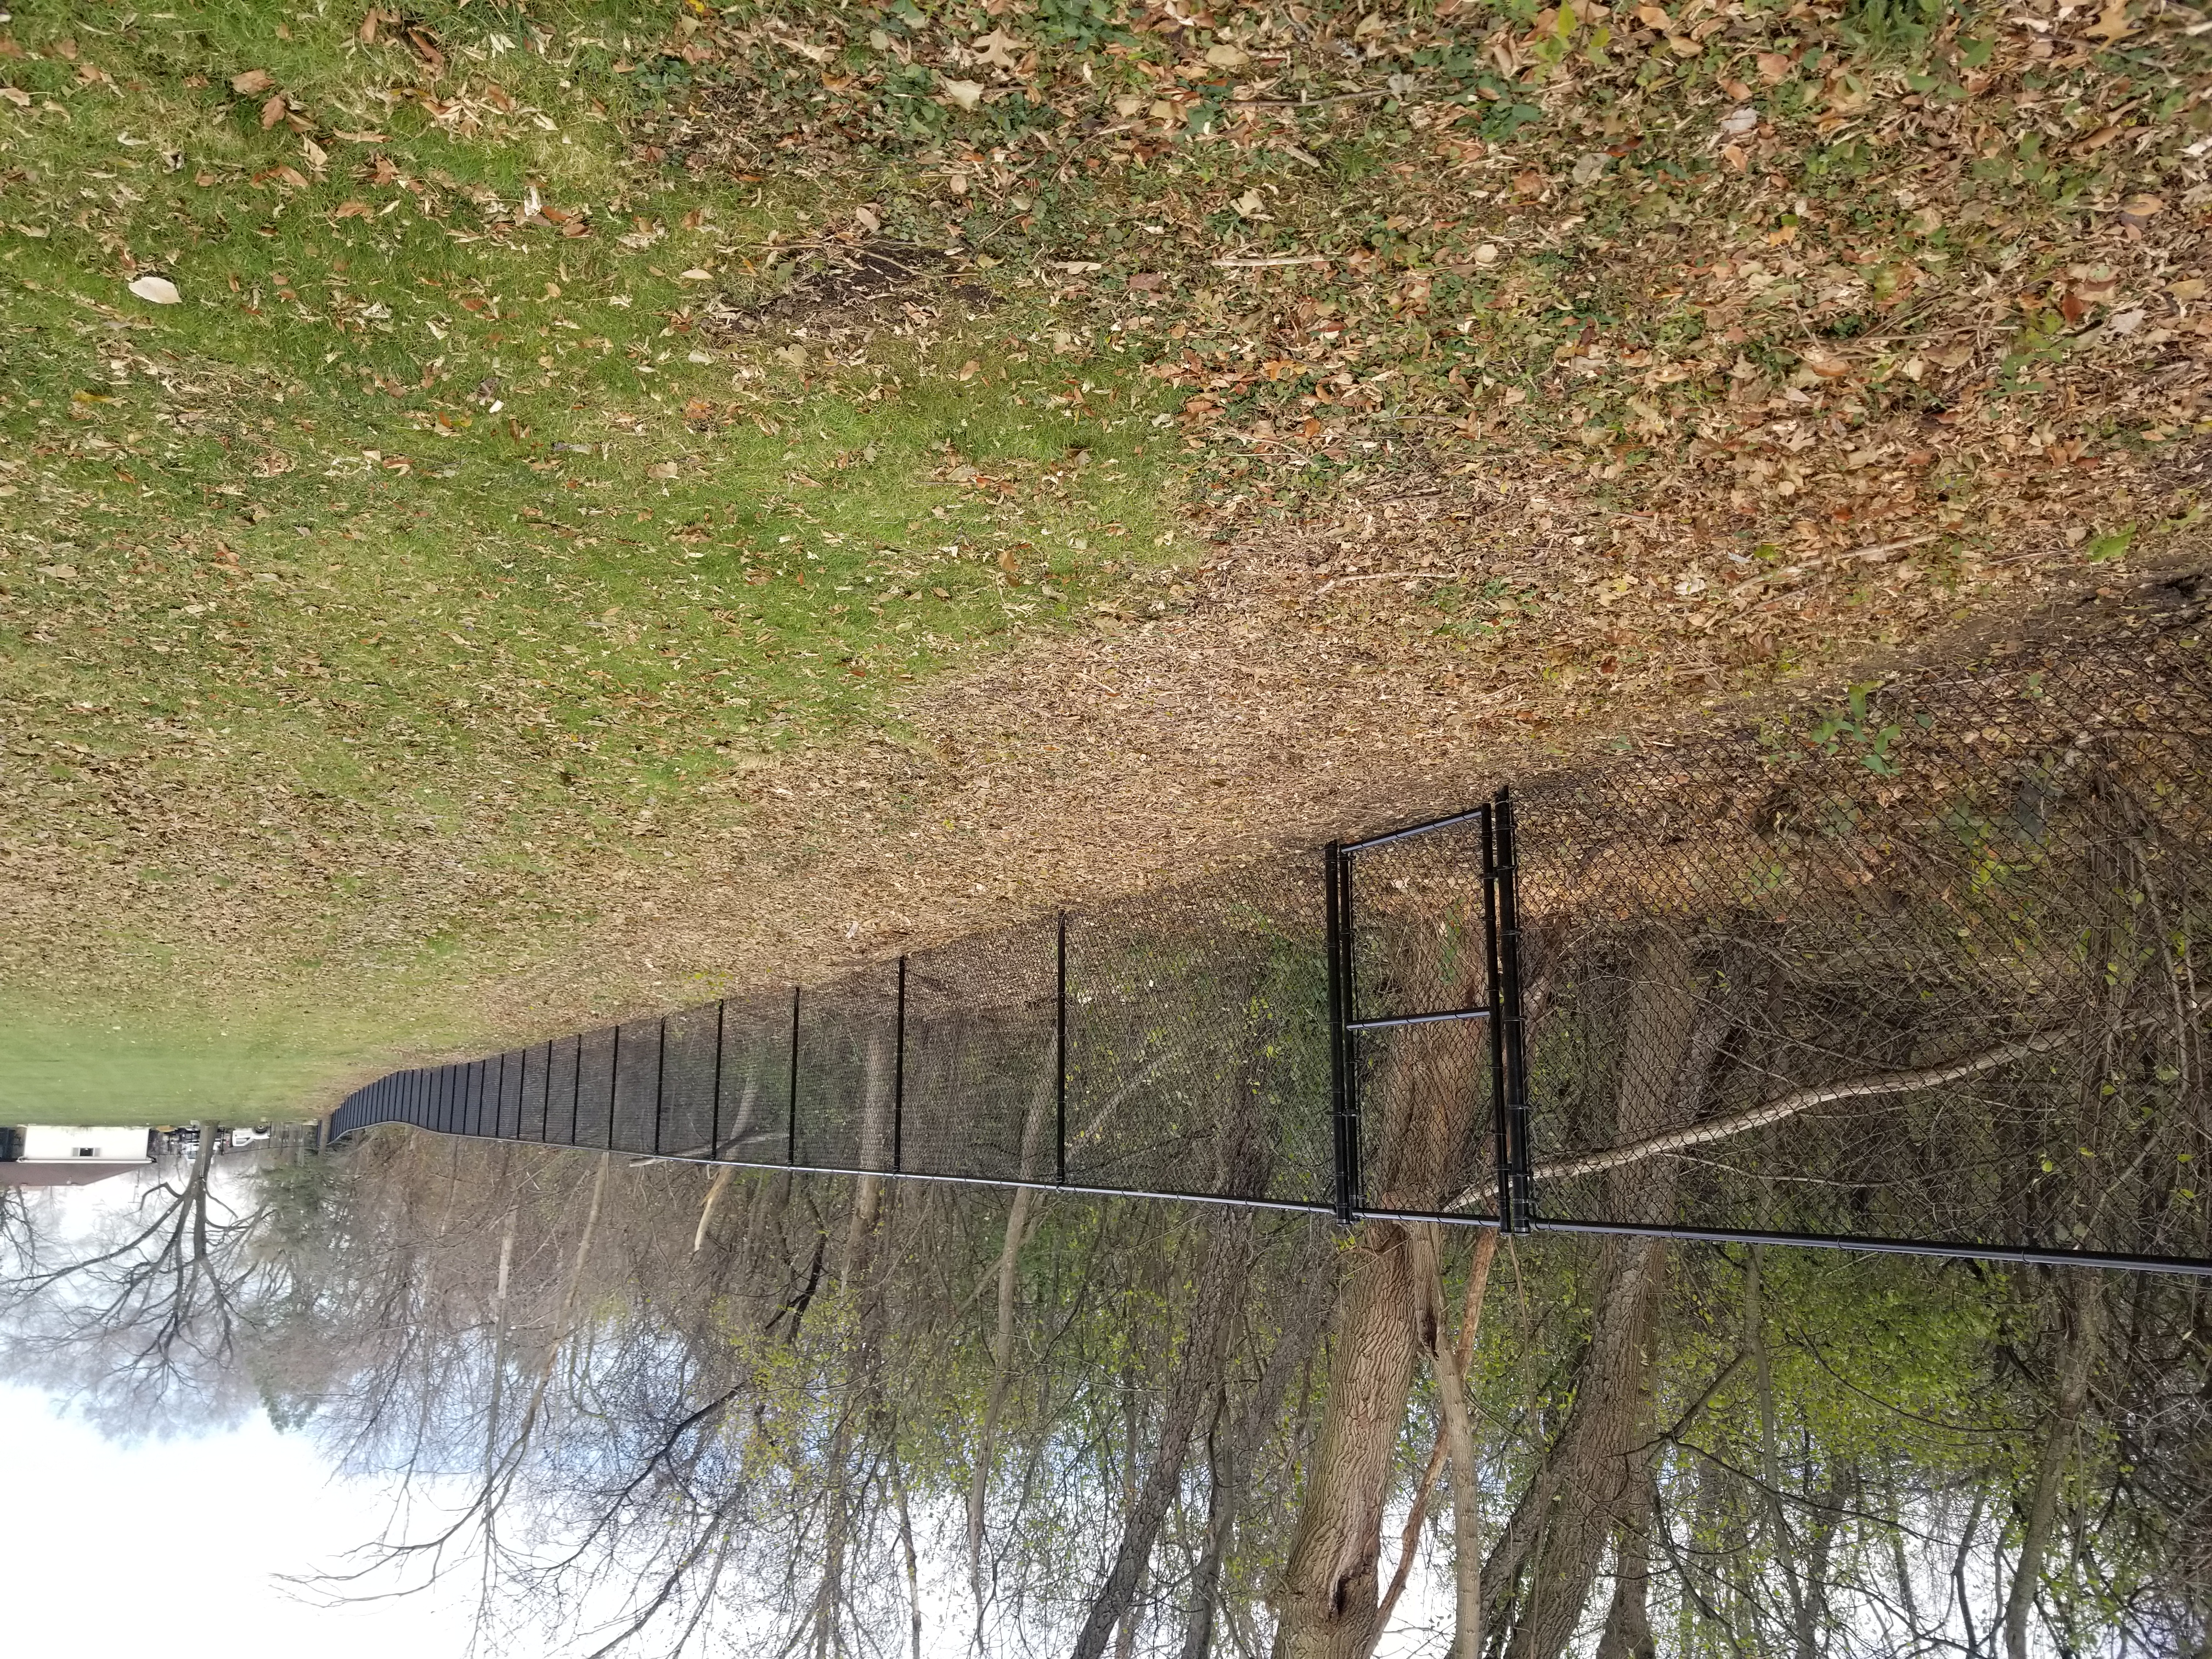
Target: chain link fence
{"points": [[1914, 968]]}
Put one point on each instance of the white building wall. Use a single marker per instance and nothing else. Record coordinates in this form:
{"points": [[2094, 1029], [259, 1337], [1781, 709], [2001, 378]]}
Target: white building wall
{"points": [[58, 1143]]}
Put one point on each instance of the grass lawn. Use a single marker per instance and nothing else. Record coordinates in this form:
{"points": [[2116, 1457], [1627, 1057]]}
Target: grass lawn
{"points": [[444, 455]]}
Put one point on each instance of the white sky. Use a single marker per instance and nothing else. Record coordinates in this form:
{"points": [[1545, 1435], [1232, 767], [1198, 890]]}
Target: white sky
{"points": [[172, 1547]]}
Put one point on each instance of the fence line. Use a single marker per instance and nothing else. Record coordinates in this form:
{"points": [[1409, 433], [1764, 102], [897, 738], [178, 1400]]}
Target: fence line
{"points": [[1915, 971]]}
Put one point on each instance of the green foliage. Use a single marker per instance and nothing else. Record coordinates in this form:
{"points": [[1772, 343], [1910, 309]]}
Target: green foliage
{"points": [[1857, 727], [1085, 25]]}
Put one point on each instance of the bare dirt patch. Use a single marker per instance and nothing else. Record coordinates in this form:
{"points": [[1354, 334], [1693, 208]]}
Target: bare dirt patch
{"points": [[1437, 636]]}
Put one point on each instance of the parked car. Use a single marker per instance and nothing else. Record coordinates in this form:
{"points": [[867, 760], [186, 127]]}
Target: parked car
{"points": [[246, 1137]]}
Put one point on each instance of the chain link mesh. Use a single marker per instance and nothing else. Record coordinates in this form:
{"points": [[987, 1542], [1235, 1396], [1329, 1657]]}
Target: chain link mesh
{"points": [[1915, 967]]}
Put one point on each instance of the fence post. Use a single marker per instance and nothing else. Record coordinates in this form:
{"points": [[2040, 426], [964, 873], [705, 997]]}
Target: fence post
{"points": [[790, 1124], [614, 1084], [1516, 1064], [1501, 1133], [576, 1092], [899, 1077], [714, 1101], [659, 1083], [1332, 932], [1061, 1053]]}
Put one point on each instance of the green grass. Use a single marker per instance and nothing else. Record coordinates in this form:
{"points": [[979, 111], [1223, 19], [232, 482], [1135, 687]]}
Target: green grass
{"points": [[415, 593], [412, 523]]}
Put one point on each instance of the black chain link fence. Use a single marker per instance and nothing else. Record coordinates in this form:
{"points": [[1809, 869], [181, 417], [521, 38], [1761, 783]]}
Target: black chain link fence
{"points": [[1917, 967]]}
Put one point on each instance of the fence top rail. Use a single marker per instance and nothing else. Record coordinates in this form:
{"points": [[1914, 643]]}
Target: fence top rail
{"points": [[1473, 815]]}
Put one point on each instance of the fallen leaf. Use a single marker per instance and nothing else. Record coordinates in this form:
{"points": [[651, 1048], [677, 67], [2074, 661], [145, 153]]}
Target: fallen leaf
{"points": [[1683, 45], [2139, 210], [1736, 156], [318, 157], [998, 49], [1250, 205], [2112, 22], [354, 210], [1653, 18], [1775, 67], [966, 94], [1588, 167], [60, 573], [1827, 368], [274, 111], [1223, 55], [968, 370], [17, 96], [250, 81], [156, 291], [663, 470], [1738, 122], [2097, 140]]}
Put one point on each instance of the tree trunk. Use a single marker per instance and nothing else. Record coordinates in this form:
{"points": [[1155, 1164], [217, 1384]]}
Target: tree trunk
{"points": [[1311, 1278], [907, 1557], [2077, 1356], [1329, 1590], [714, 1191], [1328, 1597], [1444, 1360], [1002, 1341], [875, 1154], [1596, 1473], [1198, 1368]]}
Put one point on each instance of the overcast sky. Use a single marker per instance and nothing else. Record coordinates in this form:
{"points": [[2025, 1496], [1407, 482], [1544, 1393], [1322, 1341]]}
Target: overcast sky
{"points": [[174, 1546]]}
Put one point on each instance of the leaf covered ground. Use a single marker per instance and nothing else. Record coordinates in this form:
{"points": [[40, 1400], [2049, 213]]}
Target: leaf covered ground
{"points": [[625, 499]]}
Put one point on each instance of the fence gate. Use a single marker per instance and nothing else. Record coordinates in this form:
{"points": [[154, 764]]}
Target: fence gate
{"points": [[1427, 1068]]}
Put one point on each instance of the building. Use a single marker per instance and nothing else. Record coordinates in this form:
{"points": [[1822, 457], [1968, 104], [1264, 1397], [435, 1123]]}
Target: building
{"points": [[61, 1155]]}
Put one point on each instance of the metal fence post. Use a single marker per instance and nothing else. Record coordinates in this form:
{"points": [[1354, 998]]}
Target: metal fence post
{"points": [[714, 1101], [614, 1085], [576, 1092], [898, 1076], [1333, 929], [659, 1083], [1501, 1134], [1059, 1057], [1516, 1057], [790, 1123]]}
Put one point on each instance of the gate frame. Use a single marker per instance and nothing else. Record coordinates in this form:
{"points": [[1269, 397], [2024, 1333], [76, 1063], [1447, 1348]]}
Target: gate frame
{"points": [[1500, 1011]]}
